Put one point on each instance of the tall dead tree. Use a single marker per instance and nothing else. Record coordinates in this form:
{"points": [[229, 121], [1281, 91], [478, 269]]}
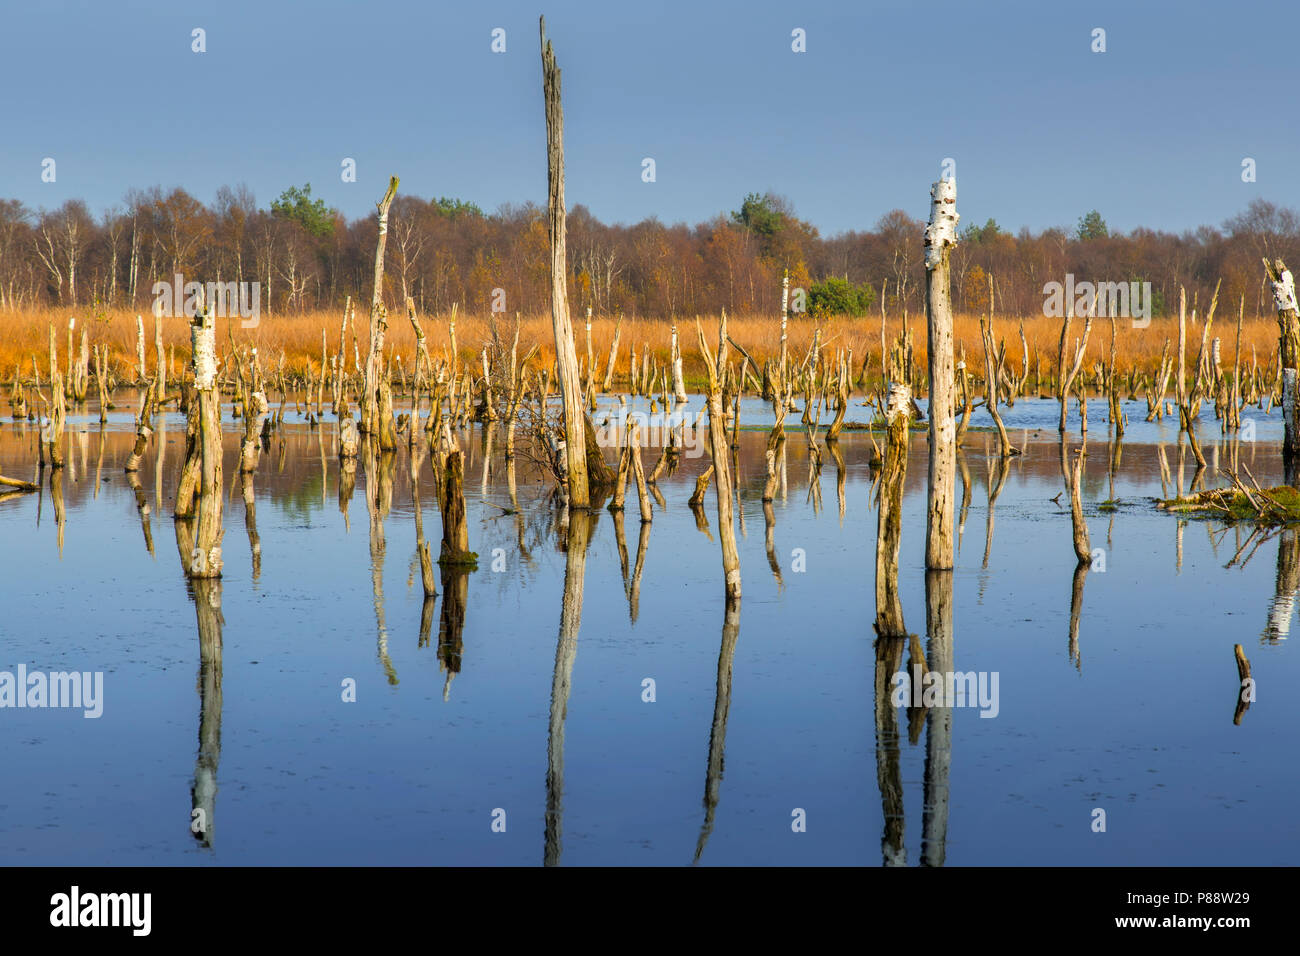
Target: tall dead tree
{"points": [[566, 359], [1288, 323], [378, 321], [940, 237]]}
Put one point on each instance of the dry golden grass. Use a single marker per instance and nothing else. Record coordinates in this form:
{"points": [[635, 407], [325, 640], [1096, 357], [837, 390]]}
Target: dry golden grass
{"points": [[24, 335]]}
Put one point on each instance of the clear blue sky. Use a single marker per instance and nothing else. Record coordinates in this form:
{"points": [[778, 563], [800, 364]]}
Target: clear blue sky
{"points": [[1151, 132]]}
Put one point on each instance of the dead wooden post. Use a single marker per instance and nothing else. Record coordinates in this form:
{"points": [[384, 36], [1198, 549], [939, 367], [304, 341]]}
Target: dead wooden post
{"points": [[613, 355], [58, 407], [638, 472], [889, 607], [139, 348], [715, 365], [1074, 479], [575, 446], [940, 236], [679, 383], [160, 363], [255, 411], [991, 388], [205, 557], [624, 468], [1067, 375], [421, 545], [701, 486], [1288, 322], [378, 320], [455, 528]]}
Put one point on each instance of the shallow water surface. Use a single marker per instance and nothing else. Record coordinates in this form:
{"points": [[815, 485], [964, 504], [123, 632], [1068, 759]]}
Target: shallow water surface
{"points": [[518, 695]]}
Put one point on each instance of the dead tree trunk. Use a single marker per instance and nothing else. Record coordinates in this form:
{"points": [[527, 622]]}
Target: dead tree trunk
{"points": [[715, 365], [613, 355], [566, 359], [679, 383], [378, 321], [455, 528], [205, 557], [940, 236], [1288, 322]]}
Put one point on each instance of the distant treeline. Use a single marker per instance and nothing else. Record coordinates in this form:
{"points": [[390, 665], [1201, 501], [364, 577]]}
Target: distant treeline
{"points": [[444, 252]]}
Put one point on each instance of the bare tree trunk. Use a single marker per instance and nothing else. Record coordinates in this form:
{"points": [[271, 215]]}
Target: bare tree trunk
{"points": [[940, 236], [575, 446], [715, 364], [378, 320], [613, 355], [889, 606], [455, 529], [679, 383], [205, 557], [1288, 321]]}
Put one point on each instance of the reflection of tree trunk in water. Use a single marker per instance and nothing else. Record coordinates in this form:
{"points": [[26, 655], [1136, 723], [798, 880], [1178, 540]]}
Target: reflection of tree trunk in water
{"points": [[634, 590], [451, 626], [324, 468], [60, 513], [426, 619], [347, 484], [840, 476], [250, 522], [142, 506], [965, 495], [1288, 582], [489, 430], [916, 667], [997, 478], [1076, 608], [1116, 454], [99, 461], [206, 594], [203, 796], [514, 504], [769, 541], [938, 737], [379, 496], [621, 540], [566, 649], [718, 734], [889, 777], [160, 444]]}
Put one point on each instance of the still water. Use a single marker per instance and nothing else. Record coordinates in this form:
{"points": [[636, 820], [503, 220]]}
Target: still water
{"points": [[491, 709]]}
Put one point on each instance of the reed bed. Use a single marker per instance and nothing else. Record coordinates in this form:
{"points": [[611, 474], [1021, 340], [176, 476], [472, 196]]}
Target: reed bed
{"points": [[24, 336]]}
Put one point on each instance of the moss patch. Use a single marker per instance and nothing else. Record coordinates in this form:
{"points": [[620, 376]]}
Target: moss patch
{"points": [[1270, 507]]}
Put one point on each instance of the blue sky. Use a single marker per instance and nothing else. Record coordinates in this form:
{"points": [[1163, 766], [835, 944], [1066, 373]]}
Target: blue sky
{"points": [[1152, 132]]}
